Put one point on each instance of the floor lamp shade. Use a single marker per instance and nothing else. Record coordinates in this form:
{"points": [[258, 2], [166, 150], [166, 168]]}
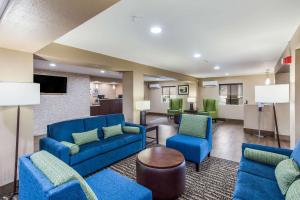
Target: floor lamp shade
{"points": [[19, 94], [272, 93]]}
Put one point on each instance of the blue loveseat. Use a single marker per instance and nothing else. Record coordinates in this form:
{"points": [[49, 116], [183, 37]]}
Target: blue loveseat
{"points": [[107, 185], [96, 155], [256, 180]]}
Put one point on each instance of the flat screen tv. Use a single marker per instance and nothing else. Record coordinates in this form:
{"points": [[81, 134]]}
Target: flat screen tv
{"points": [[51, 84]]}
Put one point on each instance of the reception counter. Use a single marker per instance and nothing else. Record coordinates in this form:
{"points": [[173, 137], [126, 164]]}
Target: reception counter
{"points": [[107, 106]]}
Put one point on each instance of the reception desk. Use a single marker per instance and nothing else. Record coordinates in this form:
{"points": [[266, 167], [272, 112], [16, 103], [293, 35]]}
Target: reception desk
{"points": [[107, 106]]}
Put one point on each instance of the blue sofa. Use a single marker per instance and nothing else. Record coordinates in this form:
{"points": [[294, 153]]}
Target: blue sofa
{"points": [[96, 155], [256, 180], [107, 185], [194, 149]]}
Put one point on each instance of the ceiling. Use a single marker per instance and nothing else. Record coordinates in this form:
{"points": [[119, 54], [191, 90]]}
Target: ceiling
{"points": [[29, 25], [242, 37], [95, 72]]}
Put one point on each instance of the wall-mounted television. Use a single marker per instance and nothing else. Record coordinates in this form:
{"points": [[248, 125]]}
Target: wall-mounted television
{"points": [[51, 84]]}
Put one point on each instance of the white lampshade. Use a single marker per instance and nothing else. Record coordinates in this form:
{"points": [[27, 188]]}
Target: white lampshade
{"points": [[272, 93], [191, 99], [18, 94], [142, 105]]}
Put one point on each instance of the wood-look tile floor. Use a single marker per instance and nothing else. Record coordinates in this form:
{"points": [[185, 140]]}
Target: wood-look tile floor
{"points": [[228, 137]]}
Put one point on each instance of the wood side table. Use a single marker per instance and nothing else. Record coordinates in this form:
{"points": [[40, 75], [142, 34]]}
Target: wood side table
{"points": [[152, 128], [162, 170]]}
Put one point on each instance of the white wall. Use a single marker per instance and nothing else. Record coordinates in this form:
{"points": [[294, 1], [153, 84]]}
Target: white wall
{"points": [[155, 96], [54, 108]]}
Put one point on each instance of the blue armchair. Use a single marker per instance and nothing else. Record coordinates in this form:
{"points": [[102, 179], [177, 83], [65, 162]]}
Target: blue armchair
{"points": [[194, 149]]}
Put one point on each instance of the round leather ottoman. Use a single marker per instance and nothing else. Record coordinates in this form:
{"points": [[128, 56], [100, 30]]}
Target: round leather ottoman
{"points": [[162, 170]]}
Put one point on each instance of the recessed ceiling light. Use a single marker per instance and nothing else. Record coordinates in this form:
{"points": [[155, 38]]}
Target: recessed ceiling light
{"points": [[217, 67], [226, 74], [52, 65], [155, 29], [102, 71], [197, 55]]}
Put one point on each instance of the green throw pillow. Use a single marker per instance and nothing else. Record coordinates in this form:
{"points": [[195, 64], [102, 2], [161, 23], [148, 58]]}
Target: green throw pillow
{"points": [[194, 125], [293, 192], [74, 148], [264, 157], [59, 172], [86, 137], [112, 131], [286, 172], [131, 129]]}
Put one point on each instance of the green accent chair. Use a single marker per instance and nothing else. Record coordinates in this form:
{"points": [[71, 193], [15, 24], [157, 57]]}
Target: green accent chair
{"points": [[210, 108], [175, 107]]}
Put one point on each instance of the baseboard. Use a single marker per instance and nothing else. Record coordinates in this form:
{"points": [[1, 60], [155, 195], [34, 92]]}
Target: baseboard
{"points": [[238, 121], [155, 113], [255, 132], [6, 189]]}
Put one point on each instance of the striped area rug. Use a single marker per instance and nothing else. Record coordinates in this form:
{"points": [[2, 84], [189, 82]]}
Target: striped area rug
{"points": [[215, 180]]}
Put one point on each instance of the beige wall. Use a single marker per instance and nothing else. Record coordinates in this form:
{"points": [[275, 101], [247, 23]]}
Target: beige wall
{"points": [[14, 66], [155, 96], [233, 111]]}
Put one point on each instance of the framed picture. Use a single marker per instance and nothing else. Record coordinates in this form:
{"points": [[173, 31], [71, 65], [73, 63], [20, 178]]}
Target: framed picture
{"points": [[183, 89]]}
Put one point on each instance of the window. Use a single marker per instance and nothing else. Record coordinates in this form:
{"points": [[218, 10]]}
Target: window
{"points": [[231, 93], [168, 92]]}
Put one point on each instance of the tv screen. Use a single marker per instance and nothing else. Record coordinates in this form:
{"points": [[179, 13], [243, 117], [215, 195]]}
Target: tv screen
{"points": [[51, 84]]}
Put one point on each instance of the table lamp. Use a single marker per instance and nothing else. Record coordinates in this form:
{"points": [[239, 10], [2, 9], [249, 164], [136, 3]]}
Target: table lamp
{"points": [[191, 100], [18, 94], [273, 94], [142, 106]]}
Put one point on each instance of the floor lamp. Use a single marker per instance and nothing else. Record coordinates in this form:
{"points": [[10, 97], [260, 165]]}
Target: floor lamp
{"points": [[273, 94], [18, 94], [142, 106]]}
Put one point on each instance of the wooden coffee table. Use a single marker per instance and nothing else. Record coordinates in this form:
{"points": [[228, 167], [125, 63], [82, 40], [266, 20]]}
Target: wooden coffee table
{"points": [[162, 170]]}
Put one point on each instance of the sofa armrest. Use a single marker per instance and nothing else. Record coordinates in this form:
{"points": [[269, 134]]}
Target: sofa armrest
{"points": [[68, 191], [142, 131], [56, 148], [286, 152]]}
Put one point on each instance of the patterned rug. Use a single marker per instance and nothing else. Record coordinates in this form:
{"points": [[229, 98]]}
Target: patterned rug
{"points": [[215, 180]]}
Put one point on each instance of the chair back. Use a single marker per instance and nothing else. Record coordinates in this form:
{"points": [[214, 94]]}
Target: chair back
{"points": [[209, 105], [175, 104]]}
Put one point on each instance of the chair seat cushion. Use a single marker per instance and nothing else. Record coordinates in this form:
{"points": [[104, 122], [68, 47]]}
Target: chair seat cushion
{"points": [[109, 185], [258, 169], [193, 148], [249, 187], [90, 150]]}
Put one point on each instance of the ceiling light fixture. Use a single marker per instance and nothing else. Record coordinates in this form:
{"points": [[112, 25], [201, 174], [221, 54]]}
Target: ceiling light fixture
{"points": [[217, 67], [197, 55], [155, 29], [52, 65], [102, 71]]}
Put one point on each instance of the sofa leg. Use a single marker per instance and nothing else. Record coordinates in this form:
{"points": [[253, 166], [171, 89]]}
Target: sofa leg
{"points": [[208, 154], [197, 167]]}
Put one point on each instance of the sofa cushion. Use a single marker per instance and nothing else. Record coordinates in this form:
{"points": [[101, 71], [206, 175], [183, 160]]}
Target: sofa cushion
{"points": [[258, 169], [90, 150], [296, 154], [193, 125], [109, 185], [59, 172], [286, 173], [264, 157], [62, 131], [294, 191], [249, 187], [115, 119], [85, 137], [111, 131], [193, 148], [95, 122], [131, 129], [74, 148]]}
